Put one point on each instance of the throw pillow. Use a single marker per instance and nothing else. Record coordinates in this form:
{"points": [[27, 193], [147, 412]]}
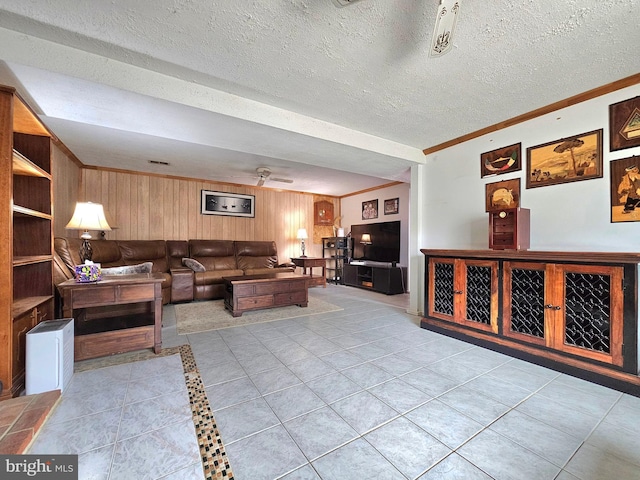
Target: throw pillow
{"points": [[194, 265], [128, 269]]}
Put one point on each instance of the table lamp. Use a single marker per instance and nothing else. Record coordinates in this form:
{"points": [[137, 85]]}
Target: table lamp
{"points": [[88, 216], [302, 235]]}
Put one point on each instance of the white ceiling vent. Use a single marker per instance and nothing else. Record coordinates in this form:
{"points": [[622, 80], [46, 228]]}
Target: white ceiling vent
{"points": [[344, 3]]}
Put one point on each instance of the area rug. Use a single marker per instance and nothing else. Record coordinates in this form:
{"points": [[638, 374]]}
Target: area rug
{"points": [[197, 317]]}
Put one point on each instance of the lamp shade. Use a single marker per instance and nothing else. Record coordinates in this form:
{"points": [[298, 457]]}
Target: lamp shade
{"points": [[366, 238], [88, 216], [302, 234]]}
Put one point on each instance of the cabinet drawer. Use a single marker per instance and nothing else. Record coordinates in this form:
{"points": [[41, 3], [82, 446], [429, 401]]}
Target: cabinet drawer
{"points": [[135, 293], [260, 301], [243, 290], [297, 285], [291, 298], [91, 296], [269, 288]]}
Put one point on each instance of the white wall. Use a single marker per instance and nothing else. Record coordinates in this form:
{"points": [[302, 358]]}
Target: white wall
{"points": [[351, 208], [567, 217]]}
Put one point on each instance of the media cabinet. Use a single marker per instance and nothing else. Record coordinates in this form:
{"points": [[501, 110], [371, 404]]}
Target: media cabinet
{"points": [[575, 312], [383, 279]]}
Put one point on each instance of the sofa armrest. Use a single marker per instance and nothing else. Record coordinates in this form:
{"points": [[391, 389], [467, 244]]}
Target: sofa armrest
{"points": [[181, 285]]}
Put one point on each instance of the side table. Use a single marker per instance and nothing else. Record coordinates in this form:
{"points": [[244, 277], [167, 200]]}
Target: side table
{"points": [[310, 263], [97, 337]]}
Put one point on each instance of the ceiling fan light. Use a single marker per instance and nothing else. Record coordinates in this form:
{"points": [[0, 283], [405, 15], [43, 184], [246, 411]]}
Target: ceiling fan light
{"points": [[446, 20]]}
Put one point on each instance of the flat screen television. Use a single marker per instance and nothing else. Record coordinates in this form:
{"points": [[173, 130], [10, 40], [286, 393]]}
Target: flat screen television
{"points": [[385, 242]]}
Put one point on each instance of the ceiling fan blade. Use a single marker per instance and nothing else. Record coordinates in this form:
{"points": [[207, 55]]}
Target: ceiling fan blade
{"points": [[260, 182], [284, 180]]}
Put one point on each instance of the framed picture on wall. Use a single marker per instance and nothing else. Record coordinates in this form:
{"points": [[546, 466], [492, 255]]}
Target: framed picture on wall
{"points": [[624, 124], [625, 189], [503, 160], [369, 209], [500, 195], [566, 160], [392, 206], [230, 204]]}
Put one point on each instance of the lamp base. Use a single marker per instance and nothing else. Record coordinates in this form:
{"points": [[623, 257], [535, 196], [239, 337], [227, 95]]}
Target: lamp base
{"points": [[86, 252]]}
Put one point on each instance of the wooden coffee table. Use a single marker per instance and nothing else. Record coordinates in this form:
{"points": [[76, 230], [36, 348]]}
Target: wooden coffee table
{"points": [[255, 292]]}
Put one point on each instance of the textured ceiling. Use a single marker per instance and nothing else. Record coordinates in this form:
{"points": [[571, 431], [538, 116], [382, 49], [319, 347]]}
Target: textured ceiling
{"points": [[218, 88]]}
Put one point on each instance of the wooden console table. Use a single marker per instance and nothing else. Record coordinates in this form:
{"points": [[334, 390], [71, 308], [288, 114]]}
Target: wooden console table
{"points": [[255, 292], [110, 335], [310, 263], [576, 312]]}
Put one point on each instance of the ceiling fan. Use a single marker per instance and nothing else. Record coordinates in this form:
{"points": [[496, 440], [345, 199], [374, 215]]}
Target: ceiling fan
{"points": [[446, 20], [264, 174]]}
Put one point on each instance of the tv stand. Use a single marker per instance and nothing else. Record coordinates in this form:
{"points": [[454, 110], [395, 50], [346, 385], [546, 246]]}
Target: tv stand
{"points": [[381, 278]]}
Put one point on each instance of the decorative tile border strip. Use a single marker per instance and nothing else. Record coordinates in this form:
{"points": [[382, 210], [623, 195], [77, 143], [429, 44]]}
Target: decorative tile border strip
{"points": [[212, 453], [214, 458]]}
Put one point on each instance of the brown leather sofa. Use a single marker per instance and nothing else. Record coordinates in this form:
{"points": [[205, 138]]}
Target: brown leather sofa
{"points": [[220, 258]]}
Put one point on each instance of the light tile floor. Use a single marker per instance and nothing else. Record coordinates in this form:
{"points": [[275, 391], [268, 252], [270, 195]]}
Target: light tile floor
{"points": [[356, 394]]}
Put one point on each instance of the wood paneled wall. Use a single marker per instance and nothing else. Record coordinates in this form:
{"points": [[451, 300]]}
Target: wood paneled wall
{"points": [[147, 207], [66, 184]]}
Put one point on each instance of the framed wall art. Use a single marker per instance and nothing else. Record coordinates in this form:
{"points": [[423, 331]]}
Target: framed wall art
{"points": [[566, 160], [625, 189], [500, 195], [503, 160], [392, 206], [323, 213], [369, 209], [224, 203], [624, 124]]}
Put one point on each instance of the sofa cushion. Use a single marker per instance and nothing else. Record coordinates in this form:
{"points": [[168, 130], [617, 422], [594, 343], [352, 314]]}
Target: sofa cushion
{"points": [[138, 251], [128, 269], [255, 255], [213, 254], [211, 277], [193, 264], [176, 251], [105, 252]]}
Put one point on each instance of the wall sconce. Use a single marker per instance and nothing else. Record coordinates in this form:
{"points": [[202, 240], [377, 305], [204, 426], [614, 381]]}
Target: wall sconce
{"points": [[88, 216], [302, 235]]}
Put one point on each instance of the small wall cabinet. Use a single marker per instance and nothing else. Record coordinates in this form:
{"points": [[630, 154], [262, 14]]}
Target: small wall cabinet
{"points": [[509, 229], [575, 312]]}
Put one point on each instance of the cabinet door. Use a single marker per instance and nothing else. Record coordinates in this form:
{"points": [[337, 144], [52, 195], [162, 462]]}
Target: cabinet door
{"points": [[479, 295], [523, 312], [21, 325], [589, 320], [441, 301], [464, 291], [576, 309], [350, 275]]}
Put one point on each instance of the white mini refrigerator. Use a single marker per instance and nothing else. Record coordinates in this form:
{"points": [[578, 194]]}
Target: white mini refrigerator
{"points": [[49, 362]]}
